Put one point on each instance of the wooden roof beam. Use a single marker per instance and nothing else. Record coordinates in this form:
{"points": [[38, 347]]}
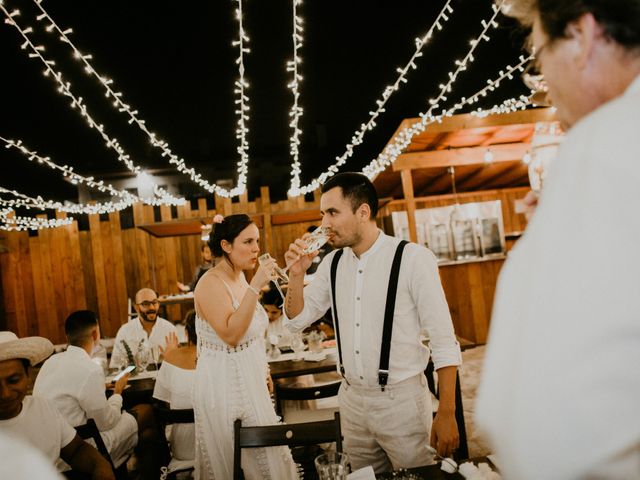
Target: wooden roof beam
{"points": [[467, 121], [456, 157]]}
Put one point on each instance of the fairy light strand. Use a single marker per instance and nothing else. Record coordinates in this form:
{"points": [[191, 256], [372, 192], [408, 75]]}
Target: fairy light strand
{"points": [[135, 117], [9, 222], [25, 201], [242, 107], [78, 104], [77, 179], [296, 110], [404, 137], [445, 89]]}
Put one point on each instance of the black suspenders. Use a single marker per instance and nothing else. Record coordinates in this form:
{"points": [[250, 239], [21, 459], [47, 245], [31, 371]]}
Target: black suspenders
{"points": [[385, 351]]}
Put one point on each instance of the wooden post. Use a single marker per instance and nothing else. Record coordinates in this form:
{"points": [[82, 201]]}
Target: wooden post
{"points": [[265, 201], [407, 188]]}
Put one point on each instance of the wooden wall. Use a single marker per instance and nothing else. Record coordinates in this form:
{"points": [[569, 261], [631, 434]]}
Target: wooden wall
{"points": [[45, 277]]}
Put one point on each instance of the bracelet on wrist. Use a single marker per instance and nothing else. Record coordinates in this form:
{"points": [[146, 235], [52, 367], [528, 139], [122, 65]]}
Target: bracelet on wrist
{"points": [[254, 290]]}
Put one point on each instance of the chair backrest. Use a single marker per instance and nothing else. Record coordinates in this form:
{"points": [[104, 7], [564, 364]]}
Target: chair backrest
{"points": [[90, 430], [167, 416], [287, 392], [311, 433], [463, 450]]}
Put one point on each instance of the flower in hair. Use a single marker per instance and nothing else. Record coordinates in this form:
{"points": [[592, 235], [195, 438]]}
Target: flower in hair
{"points": [[218, 219]]}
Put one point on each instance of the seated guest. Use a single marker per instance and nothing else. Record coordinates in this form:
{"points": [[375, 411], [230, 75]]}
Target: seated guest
{"points": [[147, 329], [272, 303], [76, 386], [173, 386], [36, 421]]}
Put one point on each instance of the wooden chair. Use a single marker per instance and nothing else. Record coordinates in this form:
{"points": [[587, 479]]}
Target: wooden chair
{"points": [[288, 392], [311, 433], [166, 416], [90, 430], [463, 450]]}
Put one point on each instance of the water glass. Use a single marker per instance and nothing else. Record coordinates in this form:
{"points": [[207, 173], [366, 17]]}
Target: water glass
{"points": [[297, 345], [332, 466]]}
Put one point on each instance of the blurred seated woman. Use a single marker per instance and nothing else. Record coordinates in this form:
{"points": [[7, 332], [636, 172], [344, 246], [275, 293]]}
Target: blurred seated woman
{"points": [[173, 386], [272, 303]]}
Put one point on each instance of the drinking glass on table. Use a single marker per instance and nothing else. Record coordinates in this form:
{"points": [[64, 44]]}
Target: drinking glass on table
{"points": [[297, 345], [143, 357], [332, 466]]}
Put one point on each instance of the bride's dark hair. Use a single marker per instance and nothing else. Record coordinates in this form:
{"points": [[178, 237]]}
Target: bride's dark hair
{"points": [[227, 230]]}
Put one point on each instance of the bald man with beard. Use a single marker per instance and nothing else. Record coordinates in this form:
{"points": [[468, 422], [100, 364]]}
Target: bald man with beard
{"points": [[147, 327]]}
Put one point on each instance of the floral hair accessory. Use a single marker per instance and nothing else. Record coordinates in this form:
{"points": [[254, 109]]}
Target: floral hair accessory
{"points": [[218, 219]]}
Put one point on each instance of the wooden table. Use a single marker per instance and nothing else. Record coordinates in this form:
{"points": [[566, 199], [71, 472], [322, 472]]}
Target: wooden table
{"points": [[294, 368]]}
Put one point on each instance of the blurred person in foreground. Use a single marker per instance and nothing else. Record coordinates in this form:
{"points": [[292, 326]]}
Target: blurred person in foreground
{"points": [[560, 390], [386, 420], [36, 421]]}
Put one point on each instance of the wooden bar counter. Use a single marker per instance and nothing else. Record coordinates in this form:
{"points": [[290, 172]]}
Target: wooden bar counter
{"points": [[469, 287]]}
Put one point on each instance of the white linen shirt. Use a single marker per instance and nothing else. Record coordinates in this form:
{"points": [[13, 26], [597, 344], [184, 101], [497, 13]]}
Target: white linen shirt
{"points": [[361, 294], [41, 425], [76, 385], [132, 332], [560, 388]]}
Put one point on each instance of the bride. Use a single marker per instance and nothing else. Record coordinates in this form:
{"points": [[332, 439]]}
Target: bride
{"points": [[232, 371]]}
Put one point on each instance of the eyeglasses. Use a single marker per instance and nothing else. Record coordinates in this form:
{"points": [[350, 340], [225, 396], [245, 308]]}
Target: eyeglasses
{"points": [[532, 76], [147, 304]]}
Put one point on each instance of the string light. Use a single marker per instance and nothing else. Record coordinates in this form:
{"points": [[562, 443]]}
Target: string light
{"points": [[389, 90], [241, 109], [67, 171], [10, 222], [77, 103], [508, 106], [390, 153], [28, 202], [404, 137], [135, 118], [296, 111]]}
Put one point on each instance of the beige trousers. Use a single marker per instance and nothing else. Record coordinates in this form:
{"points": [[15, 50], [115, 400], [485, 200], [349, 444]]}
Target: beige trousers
{"points": [[387, 430]]}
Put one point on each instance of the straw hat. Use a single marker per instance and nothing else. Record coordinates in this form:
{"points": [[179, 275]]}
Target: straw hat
{"points": [[34, 349]]}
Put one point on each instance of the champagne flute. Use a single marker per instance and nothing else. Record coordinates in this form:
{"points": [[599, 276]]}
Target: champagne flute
{"points": [[314, 241]]}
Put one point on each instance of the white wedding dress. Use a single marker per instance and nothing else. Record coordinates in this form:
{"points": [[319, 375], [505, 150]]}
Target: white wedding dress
{"points": [[231, 383]]}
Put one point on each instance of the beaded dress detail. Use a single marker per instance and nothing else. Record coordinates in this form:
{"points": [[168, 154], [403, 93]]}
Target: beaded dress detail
{"points": [[231, 383]]}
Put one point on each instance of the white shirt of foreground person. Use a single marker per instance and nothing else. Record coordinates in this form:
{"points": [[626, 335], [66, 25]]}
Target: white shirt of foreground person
{"points": [[132, 332], [361, 286], [21, 461], [40, 424], [76, 385], [560, 392]]}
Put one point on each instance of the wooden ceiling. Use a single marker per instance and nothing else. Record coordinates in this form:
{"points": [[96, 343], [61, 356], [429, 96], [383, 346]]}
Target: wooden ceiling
{"points": [[462, 141]]}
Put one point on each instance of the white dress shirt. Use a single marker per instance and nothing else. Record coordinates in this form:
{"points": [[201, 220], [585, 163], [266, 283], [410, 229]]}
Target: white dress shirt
{"points": [[40, 424], [560, 390], [76, 385], [133, 333], [361, 294]]}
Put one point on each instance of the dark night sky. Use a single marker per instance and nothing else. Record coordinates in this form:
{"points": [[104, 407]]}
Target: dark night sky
{"points": [[174, 62]]}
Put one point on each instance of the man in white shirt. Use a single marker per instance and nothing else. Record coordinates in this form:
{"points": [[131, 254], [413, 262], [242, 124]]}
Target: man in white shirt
{"points": [[76, 385], [386, 427], [36, 421], [560, 389], [146, 331]]}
